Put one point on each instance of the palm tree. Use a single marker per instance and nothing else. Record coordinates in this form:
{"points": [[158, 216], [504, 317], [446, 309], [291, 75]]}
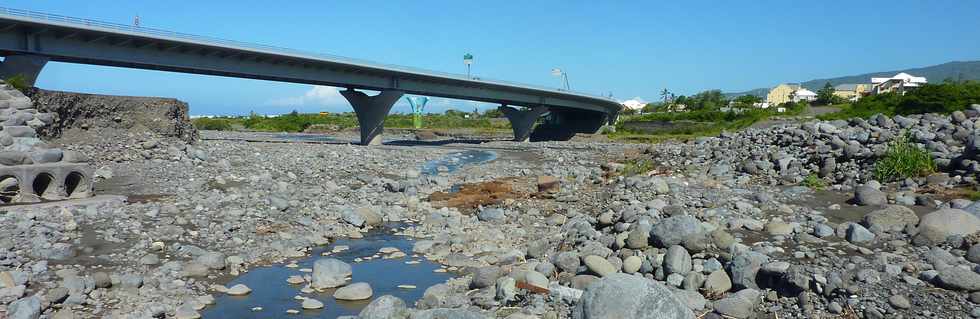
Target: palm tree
{"points": [[665, 95]]}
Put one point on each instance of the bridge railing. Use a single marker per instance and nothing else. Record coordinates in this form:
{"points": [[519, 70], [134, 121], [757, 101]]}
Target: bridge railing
{"points": [[139, 30]]}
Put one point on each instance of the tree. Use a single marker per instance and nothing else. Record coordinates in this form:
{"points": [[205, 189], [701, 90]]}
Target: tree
{"points": [[666, 95], [747, 100], [825, 96], [650, 108]]}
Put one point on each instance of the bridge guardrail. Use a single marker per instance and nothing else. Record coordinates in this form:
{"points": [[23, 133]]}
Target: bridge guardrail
{"points": [[274, 49]]}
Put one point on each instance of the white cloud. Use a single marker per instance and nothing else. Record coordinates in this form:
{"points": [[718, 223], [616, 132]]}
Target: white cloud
{"points": [[323, 96]]}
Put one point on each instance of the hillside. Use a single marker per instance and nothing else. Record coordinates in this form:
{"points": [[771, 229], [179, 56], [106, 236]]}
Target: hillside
{"points": [[956, 70]]}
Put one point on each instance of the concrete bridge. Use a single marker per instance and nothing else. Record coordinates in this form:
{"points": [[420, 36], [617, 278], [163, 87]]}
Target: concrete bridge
{"points": [[28, 40]]}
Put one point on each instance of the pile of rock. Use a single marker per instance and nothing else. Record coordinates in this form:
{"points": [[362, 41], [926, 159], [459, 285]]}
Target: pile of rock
{"points": [[842, 151], [29, 169]]}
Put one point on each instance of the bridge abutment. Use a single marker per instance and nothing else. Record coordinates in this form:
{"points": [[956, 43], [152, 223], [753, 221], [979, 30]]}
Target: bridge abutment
{"points": [[371, 112], [28, 66], [522, 121]]}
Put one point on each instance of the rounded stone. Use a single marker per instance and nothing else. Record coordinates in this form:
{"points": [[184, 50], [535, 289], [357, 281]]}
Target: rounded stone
{"points": [[600, 266], [311, 303], [632, 264], [355, 291]]}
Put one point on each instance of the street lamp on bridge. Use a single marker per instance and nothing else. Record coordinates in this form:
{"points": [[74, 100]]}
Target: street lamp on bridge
{"points": [[468, 60], [564, 77]]}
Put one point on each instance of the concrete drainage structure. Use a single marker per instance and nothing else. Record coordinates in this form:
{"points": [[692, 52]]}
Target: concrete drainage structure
{"points": [[29, 170]]}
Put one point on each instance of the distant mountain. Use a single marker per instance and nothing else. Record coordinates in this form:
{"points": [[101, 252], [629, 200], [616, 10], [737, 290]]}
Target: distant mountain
{"points": [[956, 70]]}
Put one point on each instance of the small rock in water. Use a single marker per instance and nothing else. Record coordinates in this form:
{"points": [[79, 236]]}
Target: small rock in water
{"points": [[311, 303], [239, 290], [295, 280], [355, 291], [406, 286]]}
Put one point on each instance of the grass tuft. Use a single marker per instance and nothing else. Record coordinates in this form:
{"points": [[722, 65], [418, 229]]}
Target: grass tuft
{"points": [[903, 159], [813, 181]]}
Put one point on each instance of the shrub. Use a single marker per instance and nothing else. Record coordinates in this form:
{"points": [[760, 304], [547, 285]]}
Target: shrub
{"points": [[903, 159], [813, 181], [637, 167], [214, 124], [19, 82]]}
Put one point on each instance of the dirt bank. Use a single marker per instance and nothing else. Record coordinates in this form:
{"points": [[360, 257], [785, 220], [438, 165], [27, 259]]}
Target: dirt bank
{"points": [[108, 115]]}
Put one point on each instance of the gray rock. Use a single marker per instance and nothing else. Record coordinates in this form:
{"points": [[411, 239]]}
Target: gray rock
{"points": [[238, 290], [567, 261], [858, 234], [330, 273], [744, 269], [536, 279], [25, 308], [892, 218], [10, 158], [899, 302], [52, 155], [491, 215], [973, 255], [355, 291], [632, 264], [869, 196], [385, 307], [938, 225], [677, 260], [676, 230], [717, 283], [958, 279], [506, 288], [740, 305], [102, 280], [626, 296], [485, 277], [446, 313], [212, 260], [600, 266]]}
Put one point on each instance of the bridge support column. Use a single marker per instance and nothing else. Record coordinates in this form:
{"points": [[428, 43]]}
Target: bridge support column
{"points": [[522, 121], [371, 112], [28, 66]]}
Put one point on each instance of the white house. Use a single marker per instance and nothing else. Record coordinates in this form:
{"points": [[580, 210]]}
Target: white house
{"points": [[804, 95], [900, 83]]}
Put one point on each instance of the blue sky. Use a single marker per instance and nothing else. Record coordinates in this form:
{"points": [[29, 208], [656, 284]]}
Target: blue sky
{"points": [[629, 48]]}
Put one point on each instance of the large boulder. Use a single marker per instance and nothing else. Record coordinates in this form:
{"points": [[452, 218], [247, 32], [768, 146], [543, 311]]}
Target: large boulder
{"points": [[892, 218], [745, 269], [330, 273], [676, 230], [938, 225], [958, 279], [625, 296]]}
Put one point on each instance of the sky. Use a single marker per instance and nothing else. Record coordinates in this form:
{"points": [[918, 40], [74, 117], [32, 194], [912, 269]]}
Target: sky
{"points": [[631, 49]]}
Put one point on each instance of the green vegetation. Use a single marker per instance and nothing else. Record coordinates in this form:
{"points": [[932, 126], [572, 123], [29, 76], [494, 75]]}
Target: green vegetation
{"points": [[704, 122], [945, 97], [813, 181], [637, 166], [903, 159], [214, 124], [298, 122], [18, 82], [825, 96]]}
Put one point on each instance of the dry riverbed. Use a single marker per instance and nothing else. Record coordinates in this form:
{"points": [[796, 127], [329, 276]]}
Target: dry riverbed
{"points": [[244, 225]]}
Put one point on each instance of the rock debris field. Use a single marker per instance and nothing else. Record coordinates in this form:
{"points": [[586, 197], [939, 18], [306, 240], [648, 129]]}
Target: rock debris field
{"points": [[718, 227]]}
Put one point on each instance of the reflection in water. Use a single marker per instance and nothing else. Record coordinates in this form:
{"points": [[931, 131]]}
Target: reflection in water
{"points": [[271, 292]]}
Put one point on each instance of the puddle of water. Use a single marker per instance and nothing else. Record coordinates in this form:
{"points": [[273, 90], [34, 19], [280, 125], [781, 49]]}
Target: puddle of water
{"points": [[455, 161], [271, 291], [822, 199]]}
